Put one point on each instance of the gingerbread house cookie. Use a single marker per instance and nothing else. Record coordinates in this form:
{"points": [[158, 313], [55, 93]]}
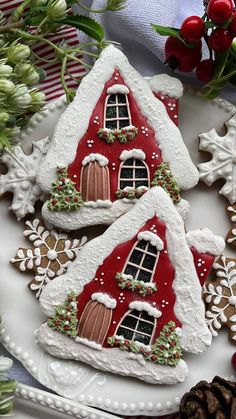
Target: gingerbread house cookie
{"points": [[131, 301], [111, 144]]}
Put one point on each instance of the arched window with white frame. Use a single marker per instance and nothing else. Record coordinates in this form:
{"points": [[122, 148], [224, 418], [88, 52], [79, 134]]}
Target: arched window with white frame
{"points": [[134, 173], [137, 326], [117, 110], [143, 258]]}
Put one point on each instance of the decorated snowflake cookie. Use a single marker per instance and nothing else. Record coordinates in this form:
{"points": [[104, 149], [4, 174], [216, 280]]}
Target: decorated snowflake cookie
{"points": [[49, 257], [220, 297], [114, 142], [231, 237], [131, 302], [21, 177], [223, 163]]}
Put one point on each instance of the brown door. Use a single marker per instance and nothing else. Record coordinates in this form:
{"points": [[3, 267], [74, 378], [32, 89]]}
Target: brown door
{"points": [[94, 322], [95, 182]]}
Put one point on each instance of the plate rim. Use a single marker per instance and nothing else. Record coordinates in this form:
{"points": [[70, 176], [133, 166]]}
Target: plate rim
{"points": [[161, 408]]}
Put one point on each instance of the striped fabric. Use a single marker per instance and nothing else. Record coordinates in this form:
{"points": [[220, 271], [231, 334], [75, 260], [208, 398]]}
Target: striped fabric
{"points": [[52, 85]]}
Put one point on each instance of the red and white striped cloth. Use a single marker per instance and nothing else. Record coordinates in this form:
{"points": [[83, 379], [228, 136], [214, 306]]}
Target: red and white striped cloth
{"points": [[52, 85]]}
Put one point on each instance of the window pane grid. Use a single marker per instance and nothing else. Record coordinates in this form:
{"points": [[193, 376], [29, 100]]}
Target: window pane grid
{"points": [[137, 168], [142, 261], [117, 101], [135, 330]]}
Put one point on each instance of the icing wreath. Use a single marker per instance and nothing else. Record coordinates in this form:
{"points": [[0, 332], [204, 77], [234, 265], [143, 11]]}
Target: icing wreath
{"points": [[122, 135]]}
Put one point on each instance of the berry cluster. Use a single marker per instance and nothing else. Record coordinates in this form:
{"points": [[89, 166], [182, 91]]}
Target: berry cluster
{"points": [[184, 46]]}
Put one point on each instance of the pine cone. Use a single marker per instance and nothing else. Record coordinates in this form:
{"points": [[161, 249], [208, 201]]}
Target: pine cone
{"points": [[215, 400]]}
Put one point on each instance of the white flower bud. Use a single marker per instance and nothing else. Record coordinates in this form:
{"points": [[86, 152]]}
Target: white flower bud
{"points": [[56, 9], [6, 86], [27, 73], [5, 70], [21, 99], [17, 53], [38, 100], [7, 120]]}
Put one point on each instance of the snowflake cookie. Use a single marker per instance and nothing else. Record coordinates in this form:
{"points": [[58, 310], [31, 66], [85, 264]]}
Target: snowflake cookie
{"points": [[223, 163], [220, 297], [49, 257], [21, 177], [231, 236]]}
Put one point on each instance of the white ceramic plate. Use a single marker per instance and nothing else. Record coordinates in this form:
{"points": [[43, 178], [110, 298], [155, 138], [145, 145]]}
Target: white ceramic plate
{"points": [[22, 315], [34, 403]]}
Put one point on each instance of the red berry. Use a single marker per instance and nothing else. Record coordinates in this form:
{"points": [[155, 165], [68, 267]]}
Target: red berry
{"points": [[232, 26], [66, 327], [54, 202], [57, 323], [220, 40], [233, 361], [67, 199], [205, 70], [154, 358], [76, 199], [192, 29], [180, 56], [220, 10]]}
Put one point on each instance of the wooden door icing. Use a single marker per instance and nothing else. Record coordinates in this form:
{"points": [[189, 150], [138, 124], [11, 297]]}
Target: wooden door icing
{"points": [[95, 182], [95, 322]]}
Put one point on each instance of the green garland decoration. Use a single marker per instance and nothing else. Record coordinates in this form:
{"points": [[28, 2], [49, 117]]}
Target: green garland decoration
{"points": [[131, 284], [164, 178], [165, 351], [131, 193], [64, 196], [65, 320], [122, 135]]}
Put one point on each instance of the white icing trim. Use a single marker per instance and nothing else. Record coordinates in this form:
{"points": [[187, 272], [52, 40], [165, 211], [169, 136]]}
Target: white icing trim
{"points": [[74, 122], [167, 85], [144, 306], [104, 299], [135, 153], [98, 204], [89, 343], [110, 359], [204, 241], [152, 238], [118, 88], [102, 160], [196, 335]]}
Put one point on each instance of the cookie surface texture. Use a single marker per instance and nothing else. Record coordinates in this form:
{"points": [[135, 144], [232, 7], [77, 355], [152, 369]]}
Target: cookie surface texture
{"points": [[122, 304], [114, 141]]}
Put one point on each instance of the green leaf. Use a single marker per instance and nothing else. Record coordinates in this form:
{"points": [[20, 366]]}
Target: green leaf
{"points": [[221, 59], [219, 84], [5, 141], [209, 25], [166, 31], [85, 24]]}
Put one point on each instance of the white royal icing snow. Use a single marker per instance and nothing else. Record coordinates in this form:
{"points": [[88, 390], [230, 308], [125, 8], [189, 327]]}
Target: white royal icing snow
{"points": [[110, 359], [144, 306], [118, 88], [104, 299], [204, 241], [98, 204], [135, 153], [102, 160], [167, 85], [189, 307], [74, 122], [152, 238], [89, 343]]}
